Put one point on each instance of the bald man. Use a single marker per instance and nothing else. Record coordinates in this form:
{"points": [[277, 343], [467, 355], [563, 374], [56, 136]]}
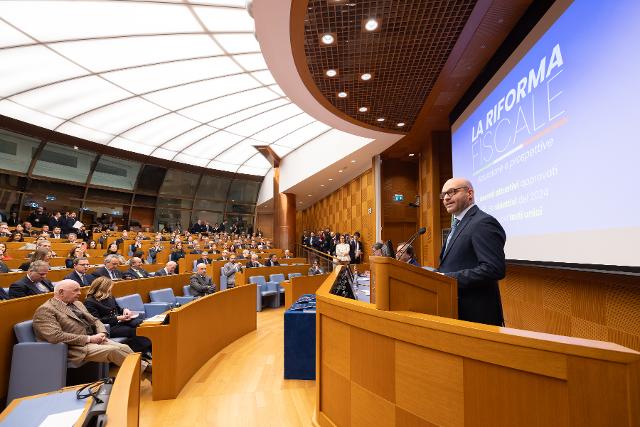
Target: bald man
{"points": [[65, 319], [201, 284], [473, 254]]}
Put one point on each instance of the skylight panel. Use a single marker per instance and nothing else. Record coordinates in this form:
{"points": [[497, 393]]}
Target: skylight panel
{"points": [[191, 160], [258, 123], [9, 36], [239, 153], [218, 165], [109, 54], [193, 93], [73, 129], [64, 20], [280, 150], [258, 161], [229, 104], [153, 77], [225, 19], [188, 138], [163, 154], [303, 135], [121, 116], [238, 43], [249, 170], [265, 77], [213, 145], [71, 97], [158, 131], [19, 112], [276, 132], [131, 146], [249, 112], [251, 62], [22, 69]]}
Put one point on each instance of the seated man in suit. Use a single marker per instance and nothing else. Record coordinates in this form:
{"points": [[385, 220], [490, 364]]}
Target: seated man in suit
{"points": [[287, 254], [135, 270], [254, 263], [79, 273], [168, 269], [203, 259], [200, 284], [409, 255], [230, 269], [315, 268], [196, 249], [4, 230], [245, 254], [72, 238], [110, 269], [64, 319], [34, 283], [272, 261], [155, 249], [57, 233]]}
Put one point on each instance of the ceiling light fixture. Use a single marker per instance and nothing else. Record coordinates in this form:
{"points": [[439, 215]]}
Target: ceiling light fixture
{"points": [[330, 179], [308, 195], [342, 94], [353, 161], [327, 39], [340, 171], [331, 73], [371, 25], [411, 154], [321, 185], [380, 119], [366, 76], [363, 109], [401, 124]]}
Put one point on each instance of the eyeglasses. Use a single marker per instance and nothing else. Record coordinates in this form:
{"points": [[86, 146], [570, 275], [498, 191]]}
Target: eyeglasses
{"points": [[450, 192]]}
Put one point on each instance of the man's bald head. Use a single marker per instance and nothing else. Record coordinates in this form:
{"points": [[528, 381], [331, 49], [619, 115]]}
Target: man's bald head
{"points": [[66, 290], [457, 195]]}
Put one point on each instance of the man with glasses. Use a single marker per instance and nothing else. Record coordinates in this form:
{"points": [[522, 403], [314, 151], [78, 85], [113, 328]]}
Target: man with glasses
{"points": [[473, 254], [79, 273]]}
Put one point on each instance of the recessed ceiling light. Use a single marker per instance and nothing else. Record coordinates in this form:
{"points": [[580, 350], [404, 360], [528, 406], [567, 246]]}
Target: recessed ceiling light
{"points": [[365, 76], [363, 109], [75, 147], [342, 94], [411, 154], [330, 179], [340, 171], [308, 195], [371, 25], [401, 124], [321, 185], [380, 119], [331, 73], [353, 161], [327, 39]]}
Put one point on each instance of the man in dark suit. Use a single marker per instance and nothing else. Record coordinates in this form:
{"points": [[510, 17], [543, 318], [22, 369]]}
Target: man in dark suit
{"points": [[272, 261], [473, 254], [168, 269], [135, 270], [56, 221], [110, 269], [34, 283], [355, 249], [254, 263], [199, 283], [79, 273]]}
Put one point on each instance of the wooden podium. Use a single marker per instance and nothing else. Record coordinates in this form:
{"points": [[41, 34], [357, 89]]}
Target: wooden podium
{"points": [[398, 286]]}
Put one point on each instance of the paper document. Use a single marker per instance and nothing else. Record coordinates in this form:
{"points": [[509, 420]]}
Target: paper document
{"points": [[67, 418]]}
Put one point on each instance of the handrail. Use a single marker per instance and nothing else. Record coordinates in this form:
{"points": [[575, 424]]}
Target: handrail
{"points": [[324, 259]]}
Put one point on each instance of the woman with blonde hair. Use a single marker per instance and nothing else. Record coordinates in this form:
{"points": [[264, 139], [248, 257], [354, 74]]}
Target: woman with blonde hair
{"points": [[123, 322], [40, 254]]}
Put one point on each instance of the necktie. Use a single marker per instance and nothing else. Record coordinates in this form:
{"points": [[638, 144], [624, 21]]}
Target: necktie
{"points": [[111, 274], [82, 279], [138, 273], [454, 226], [41, 287]]}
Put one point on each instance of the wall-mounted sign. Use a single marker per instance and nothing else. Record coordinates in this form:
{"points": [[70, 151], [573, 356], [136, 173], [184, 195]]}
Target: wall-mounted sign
{"points": [[398, 197]]}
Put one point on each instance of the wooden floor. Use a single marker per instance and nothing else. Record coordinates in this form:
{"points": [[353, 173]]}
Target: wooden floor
{"points": [[242, 385]]}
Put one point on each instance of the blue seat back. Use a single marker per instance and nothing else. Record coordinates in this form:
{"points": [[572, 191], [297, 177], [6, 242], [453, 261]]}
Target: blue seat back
{"points": [[278, 277], [132, 302], [186, 291], [291, 275], [223, 282], [259, 280], [24, 331], [163, 295]]}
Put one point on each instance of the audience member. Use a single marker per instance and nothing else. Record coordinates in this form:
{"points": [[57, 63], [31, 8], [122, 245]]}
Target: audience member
{"points": [[230, 269], [342, 251], [40, 254], [4, 230], [76, 252], [254, 263], [168, 269], [64, 319], [33, 283], [112, 249], [135, 270], [287, 254], [80, 273], [315, 268], [16, 237], [200, 284], [408, 256], [122, 321], [272, 261], [110, 269]]}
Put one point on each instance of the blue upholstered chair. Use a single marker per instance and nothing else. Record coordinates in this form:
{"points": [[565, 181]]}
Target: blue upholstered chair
{"points": [[292, 275], [41, 367], [278, 278], [134, 303], [223, 282], [166, 295], [265, 291], [186, 291]]}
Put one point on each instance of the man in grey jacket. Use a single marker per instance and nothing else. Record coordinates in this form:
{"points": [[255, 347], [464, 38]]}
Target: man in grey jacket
{"points": [[200, 284], [230, 269]]}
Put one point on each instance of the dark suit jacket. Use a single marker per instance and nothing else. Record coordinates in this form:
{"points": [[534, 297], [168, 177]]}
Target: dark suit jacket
{"points": [[131, 273], [88, 278], [352, 251], [3, 267], [106, 310], [475, 258], [102, 272], [3, 294], [161, 272], [25, 287], [201, 285], [269, 263]]}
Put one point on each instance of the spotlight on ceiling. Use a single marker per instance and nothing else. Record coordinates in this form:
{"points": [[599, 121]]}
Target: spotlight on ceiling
{"points": [[401, 124], [331, 72], [342, 94], [371, 24], [363, 109], [366, 76], [328, 39], [411, 154], [380, 119]]}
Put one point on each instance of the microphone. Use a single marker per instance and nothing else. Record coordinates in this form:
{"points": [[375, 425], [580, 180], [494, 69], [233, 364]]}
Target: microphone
{"points": [[404, 247]]}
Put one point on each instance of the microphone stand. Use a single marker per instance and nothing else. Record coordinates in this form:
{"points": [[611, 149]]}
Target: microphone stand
{"points": [[404, 247]]}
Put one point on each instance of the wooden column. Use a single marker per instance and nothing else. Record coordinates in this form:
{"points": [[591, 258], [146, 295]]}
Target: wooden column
{"points": [[284, 215]]}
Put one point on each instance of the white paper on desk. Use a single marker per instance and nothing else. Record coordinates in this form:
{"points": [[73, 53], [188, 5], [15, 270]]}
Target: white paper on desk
{"points": [[78, 225], [365, 291], [67, 418]]}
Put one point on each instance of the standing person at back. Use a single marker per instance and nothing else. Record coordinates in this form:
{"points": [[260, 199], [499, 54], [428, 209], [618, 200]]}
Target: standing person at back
{"points": [[473, 254]]}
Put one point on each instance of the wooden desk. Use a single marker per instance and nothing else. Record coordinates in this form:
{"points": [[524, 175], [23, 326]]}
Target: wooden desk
{"points": [[398, 368], [17, 310], [123, 408], [195, 333], [298, 286]]}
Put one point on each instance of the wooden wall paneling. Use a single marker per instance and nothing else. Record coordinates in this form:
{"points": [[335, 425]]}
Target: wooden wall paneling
{"points": [[144, 215], [603, 306], [346, 210], [264, 223]]}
